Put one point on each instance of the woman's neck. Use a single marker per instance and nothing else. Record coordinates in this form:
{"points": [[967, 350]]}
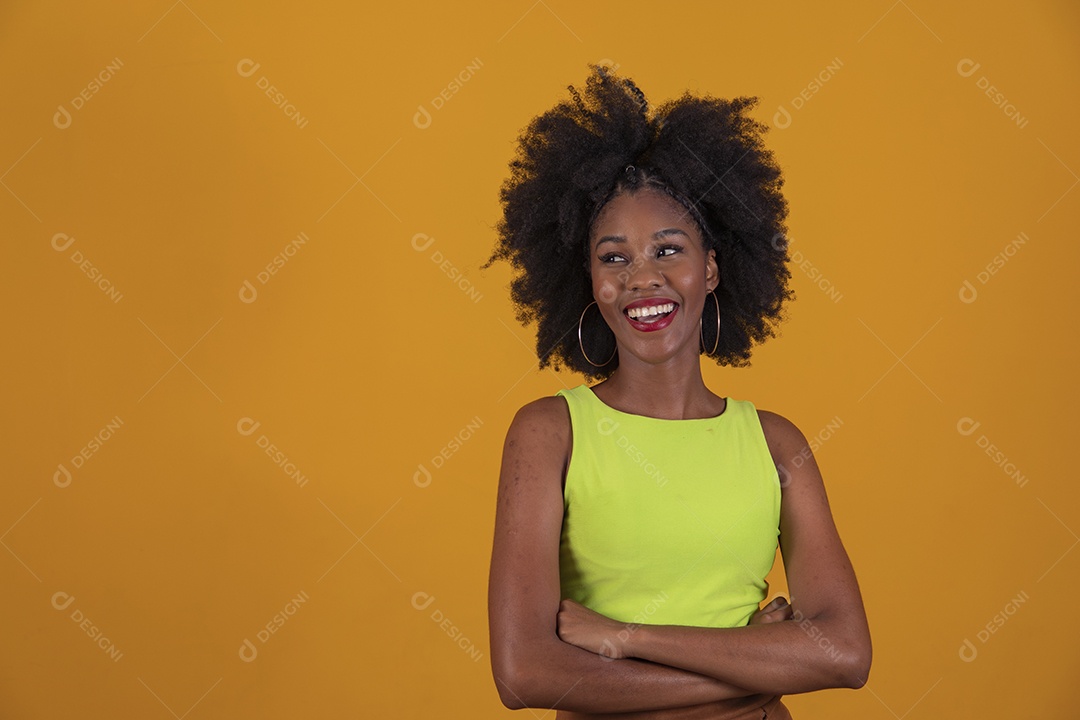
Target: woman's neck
{"points": [[671, 391]]}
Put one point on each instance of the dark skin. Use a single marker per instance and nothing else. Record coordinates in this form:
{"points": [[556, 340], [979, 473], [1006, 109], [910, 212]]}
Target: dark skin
{"points": [[552, 652]]}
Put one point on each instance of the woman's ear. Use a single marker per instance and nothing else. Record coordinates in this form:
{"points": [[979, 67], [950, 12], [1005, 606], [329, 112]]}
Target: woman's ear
{"points": [[712, 271]]}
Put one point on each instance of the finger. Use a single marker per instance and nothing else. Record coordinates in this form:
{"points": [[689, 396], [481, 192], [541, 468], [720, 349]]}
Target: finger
{"points": [[764, 618], [778, 610], [776, 603], [784, 612]]}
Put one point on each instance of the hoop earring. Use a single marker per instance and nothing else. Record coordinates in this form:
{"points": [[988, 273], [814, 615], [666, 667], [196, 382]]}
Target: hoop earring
{"points": [[582, 345], [701, 330]]}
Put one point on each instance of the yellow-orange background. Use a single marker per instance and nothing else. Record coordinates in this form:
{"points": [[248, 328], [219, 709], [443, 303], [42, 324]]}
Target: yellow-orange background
{"points": [[361, 359]]}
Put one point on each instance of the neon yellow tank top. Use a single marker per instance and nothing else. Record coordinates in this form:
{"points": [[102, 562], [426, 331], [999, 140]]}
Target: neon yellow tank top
{"points": [[668, 522]]}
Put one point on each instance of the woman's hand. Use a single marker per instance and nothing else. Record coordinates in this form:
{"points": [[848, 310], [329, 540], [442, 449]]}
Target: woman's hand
{"points": [[776, 611], [589, 630]]}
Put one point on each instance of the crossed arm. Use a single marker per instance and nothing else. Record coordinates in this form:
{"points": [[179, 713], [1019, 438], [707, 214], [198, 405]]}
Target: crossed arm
{"points": [[547, 652]]}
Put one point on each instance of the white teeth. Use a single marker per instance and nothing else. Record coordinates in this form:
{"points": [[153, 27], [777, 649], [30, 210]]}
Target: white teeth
{"points": [[640, 312]]}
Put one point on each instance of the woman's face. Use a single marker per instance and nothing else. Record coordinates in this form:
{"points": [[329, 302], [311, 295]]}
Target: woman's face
{"points": [[650, 274]]}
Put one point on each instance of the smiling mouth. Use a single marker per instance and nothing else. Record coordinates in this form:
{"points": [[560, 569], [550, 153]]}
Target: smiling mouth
{"points": [[650, 313], [651, 317]]}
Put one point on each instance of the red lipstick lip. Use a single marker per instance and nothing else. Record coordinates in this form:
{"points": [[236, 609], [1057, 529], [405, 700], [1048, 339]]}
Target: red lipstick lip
{"points": [[655, 325]]}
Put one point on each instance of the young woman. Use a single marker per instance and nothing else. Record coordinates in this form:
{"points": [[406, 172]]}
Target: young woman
{"points": [[638, 518]]}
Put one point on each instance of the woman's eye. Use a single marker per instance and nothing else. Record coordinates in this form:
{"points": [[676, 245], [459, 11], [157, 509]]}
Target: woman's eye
{"points": [[610, 258], [668, 250]]}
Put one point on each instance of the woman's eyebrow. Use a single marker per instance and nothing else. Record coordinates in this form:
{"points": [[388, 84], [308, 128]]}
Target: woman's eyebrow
{"points": [[611, 239], [658, 235]]}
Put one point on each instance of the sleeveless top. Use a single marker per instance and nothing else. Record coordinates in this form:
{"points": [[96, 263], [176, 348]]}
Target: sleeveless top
{"points": [[668, 522]]}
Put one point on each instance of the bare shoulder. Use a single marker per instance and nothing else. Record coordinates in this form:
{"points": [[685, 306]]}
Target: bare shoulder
{"points": [[783, 436], [540, 438], [550, 411], [546, 419]]}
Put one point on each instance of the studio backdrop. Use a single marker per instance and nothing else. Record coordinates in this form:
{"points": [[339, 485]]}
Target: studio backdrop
{"points": [[256, 383]]}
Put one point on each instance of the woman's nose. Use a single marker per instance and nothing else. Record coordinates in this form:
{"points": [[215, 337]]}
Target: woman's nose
{"points": [[643, 274]]}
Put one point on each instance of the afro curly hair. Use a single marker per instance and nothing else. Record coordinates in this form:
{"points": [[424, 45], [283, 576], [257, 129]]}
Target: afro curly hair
{"points": [[704, 152]]}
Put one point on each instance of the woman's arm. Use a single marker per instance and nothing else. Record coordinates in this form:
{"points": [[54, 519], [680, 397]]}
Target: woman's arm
{"points": [[532, 667], [827, 642]]}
